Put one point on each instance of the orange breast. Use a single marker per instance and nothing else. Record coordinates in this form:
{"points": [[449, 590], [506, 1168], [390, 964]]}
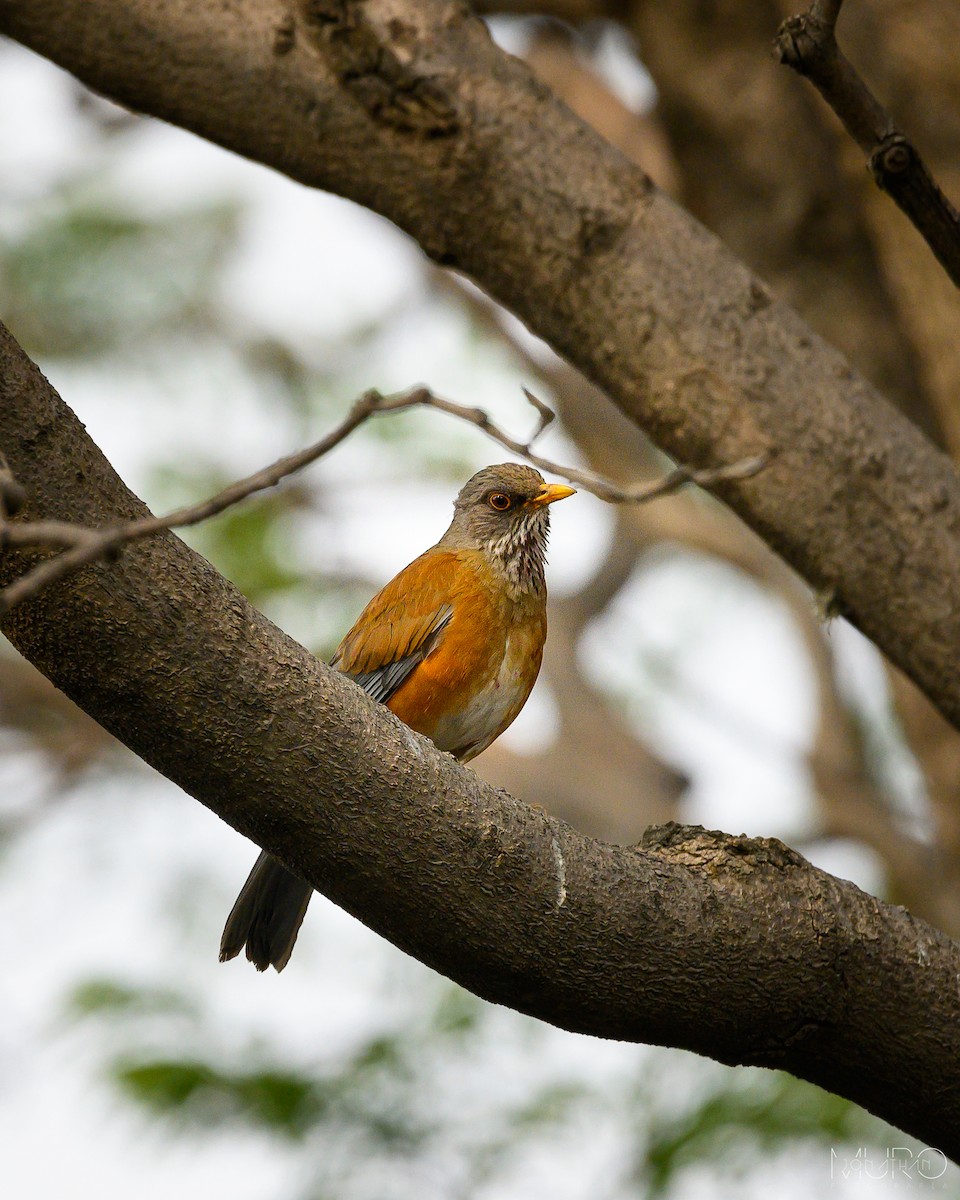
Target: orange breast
{"points": [[474, 683]]}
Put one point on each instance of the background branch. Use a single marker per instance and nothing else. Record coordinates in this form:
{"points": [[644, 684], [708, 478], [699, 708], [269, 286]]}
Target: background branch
{"points": [[808, 44]]}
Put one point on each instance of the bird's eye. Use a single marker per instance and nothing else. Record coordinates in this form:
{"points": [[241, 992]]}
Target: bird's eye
{"points": [[500, 501]]}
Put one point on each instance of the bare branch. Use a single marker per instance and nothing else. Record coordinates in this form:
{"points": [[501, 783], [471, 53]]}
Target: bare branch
{"points": [[827, 10], [807, 43], [590, 481], [82, 545], [547, 415]]}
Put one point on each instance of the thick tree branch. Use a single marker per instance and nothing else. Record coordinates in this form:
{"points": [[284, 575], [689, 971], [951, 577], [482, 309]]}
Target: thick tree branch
{"points": [[807, 43], [410, 109], [732, 947]]}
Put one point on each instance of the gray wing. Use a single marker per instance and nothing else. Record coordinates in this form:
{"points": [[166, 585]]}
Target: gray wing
{"points": [[381, 682]]}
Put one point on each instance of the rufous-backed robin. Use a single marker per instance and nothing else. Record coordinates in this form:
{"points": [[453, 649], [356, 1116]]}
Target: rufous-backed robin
{"points": [[452, 645]]}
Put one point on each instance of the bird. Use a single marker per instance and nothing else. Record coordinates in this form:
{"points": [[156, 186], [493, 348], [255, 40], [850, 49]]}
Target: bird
{"points": [[452, 645]]}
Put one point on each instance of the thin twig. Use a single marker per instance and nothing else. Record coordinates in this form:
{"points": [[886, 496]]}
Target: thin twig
{"points": [[12, 495], [82, 545], [79, 544], [589, 480], [547, 415], [807, 43]]}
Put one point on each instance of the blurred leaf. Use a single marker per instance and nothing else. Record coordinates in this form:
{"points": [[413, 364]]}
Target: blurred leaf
{"points": [[102, 996], [760, 1115], [250, 543], [382, 1053], [284, 1102], [84, 280], [287, 1103], [549, 1106], [457, 1012]]}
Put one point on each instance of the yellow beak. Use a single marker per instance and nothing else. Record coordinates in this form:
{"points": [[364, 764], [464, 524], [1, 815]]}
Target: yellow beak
{"points": [[551, 492]]}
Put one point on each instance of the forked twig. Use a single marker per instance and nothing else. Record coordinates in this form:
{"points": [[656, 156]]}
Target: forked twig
{"points": [[78, 545]]}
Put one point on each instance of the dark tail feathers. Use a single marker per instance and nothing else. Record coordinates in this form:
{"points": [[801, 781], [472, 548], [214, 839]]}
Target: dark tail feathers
{"points": [[267, 915]]}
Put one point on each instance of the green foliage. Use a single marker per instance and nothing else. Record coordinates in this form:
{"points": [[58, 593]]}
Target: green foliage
{"points": [[369, 1091], [550, 1106], [457, 1013], [751, 1117], [106, 997], [284, 1102], [83, 279], [359, 1096], [250, 542], [389, 1106]]}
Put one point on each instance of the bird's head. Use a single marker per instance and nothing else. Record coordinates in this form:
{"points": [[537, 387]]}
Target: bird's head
{"points": [[504, 511]]}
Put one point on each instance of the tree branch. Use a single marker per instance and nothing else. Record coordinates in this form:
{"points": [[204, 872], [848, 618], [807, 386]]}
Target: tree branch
{"points": [[733, 947], [807, 43], [82, 545], [410, 109]]}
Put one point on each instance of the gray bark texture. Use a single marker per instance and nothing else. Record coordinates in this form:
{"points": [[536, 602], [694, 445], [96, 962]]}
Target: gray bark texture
{"points": [[732, 947]]}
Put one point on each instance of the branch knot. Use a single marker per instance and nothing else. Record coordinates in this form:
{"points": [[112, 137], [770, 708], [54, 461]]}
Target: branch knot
{"points": [[378, 68], [712, 849], [893, 156]]}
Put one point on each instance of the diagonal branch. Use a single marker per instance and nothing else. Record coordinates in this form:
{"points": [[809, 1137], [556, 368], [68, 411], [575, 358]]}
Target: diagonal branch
{"points": [[808, 44], [733, 947]]}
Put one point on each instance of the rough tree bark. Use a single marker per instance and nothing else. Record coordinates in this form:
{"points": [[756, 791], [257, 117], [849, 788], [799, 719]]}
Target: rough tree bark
{"points": [[733, 947]]}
